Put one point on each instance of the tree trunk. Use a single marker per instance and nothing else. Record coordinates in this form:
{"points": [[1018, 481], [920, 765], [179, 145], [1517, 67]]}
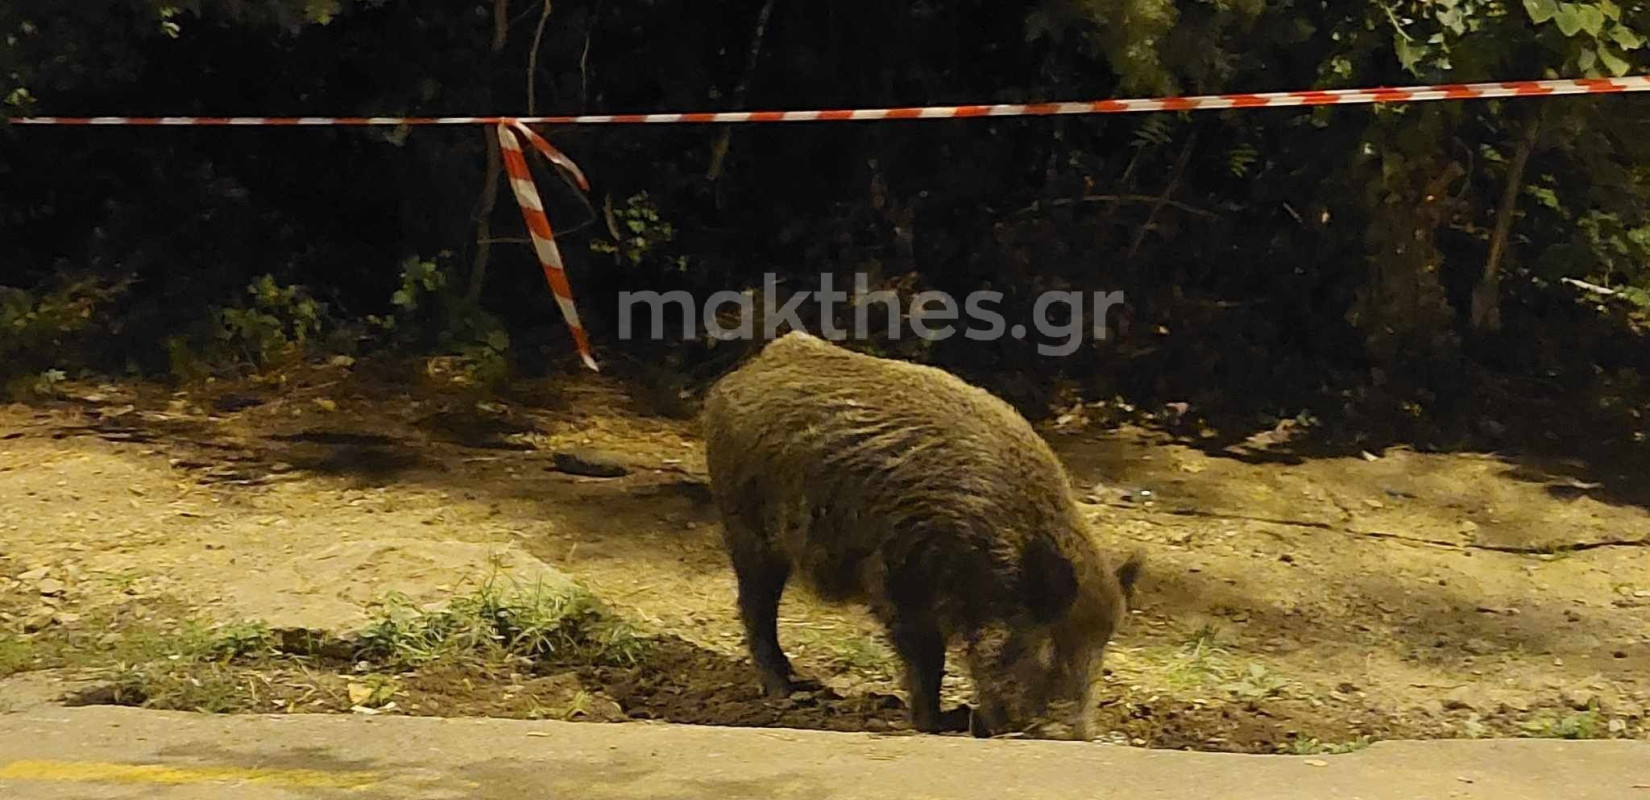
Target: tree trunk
{"points": [[719, 150], [1486, 296]]}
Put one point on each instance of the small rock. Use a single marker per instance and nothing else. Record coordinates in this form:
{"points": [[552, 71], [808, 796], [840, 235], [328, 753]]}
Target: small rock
{"points": [[1578, 700], [65, 618], [40, 620], [1316, 762], [33, 575], [590, 463], [231, 403], [1618, 726], [1478, 647], [50, 587]]}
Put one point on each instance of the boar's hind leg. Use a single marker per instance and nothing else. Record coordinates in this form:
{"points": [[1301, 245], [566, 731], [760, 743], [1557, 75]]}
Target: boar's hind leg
{"points": [[762, 577]]}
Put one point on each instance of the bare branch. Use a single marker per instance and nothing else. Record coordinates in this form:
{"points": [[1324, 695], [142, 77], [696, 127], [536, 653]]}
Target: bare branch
{"points": [[533, 60], [1163, 200], [1120, 198]]}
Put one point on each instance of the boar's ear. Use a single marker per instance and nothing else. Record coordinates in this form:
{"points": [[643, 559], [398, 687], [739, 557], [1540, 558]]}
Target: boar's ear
{"points": [[1047, 580], [1128, 573]]}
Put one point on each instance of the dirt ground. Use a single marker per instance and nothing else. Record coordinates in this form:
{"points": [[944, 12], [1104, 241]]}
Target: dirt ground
{"points": [[1291, 603]]}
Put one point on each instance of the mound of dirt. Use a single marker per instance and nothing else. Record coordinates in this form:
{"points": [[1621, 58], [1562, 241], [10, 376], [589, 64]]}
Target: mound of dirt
{"points": [[683, 683]]}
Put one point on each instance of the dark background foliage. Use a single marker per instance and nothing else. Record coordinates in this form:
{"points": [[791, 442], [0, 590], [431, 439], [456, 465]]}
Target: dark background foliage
{"points": [[1276, 262]]}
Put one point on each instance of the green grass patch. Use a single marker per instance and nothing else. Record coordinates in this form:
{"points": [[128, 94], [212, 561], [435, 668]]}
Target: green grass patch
{"points": [[1202, 664], [499, 622], [16, 655]]}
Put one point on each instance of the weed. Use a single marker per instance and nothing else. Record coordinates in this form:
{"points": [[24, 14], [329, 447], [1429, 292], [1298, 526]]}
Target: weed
{"points": [[16, 655], [474, 346], [124, 579], [1200, 663], [1256, 682], [274, 328], [239, 639], [1309, 746], [638, 232], [864, 652], [41, 330], [579, 707], [854, 650], [373, 690], [1589, 724], [205, 687]]}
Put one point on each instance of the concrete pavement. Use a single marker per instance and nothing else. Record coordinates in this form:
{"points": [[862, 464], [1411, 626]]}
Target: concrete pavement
{"points": [[107, 752]]}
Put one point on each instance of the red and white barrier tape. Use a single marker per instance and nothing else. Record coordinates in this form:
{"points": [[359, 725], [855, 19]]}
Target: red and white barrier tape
{"points": [[1329, 97], [538, 223]]}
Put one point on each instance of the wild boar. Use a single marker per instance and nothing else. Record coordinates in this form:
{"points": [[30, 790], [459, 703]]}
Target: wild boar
{"points": [[931, 501]]}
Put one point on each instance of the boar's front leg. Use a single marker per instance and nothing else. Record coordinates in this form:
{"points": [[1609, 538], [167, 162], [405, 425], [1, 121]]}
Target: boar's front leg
{"points": [[921, 647], [762, 576]]}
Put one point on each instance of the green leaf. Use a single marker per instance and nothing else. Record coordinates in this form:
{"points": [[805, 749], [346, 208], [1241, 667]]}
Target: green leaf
{"points": [[1610, 9], [1409, 53], [1454, 19], [1617, 65], [1569, 19], [1626, 38], [1592, 20], [1587, 59], [1543, 195], [1541, 10]]}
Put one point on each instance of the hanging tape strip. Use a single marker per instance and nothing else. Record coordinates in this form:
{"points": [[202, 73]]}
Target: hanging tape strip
{"points": [[538, 223]]}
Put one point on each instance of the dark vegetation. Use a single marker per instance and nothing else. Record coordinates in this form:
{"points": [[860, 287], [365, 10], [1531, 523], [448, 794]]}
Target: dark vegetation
{"points": [[1400, 273]]}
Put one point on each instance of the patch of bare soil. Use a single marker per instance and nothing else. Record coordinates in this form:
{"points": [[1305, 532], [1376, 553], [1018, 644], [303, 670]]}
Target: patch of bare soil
{"points": [[1290, 603]]}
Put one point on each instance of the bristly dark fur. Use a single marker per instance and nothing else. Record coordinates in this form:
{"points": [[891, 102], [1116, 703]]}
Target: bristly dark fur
{"points": [[932, 501]]}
